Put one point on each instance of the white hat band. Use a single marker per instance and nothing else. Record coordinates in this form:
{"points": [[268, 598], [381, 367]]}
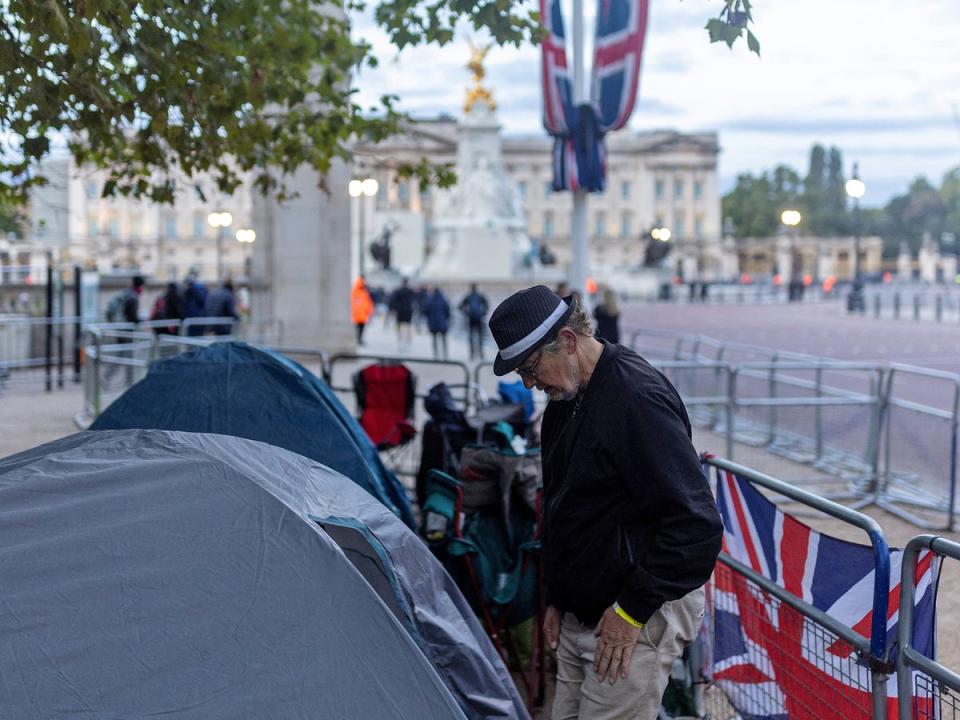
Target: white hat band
{"points": [[535, 336]]}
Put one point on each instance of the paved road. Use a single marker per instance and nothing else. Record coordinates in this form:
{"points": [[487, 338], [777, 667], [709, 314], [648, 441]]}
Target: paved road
{"points": [[920, 443], [818, 329]]}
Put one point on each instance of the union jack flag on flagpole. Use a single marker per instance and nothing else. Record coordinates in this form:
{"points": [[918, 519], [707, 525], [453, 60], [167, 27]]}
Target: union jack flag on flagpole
{"points": [[617, 52], [771, 661], [579, 156]]}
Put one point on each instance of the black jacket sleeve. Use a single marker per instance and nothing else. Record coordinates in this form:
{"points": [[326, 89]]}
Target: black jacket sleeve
{"points": [[663, 473]]}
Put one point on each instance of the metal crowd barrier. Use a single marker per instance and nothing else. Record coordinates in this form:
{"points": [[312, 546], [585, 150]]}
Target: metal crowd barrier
{"points": [[405, 460], [918, 676], [39, 350], [924, 445], [843, 420], [822, 630], [117, 355]]}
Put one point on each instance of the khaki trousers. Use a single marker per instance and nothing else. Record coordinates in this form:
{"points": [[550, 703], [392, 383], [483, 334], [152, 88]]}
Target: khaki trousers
{"points": [[580, 696]]}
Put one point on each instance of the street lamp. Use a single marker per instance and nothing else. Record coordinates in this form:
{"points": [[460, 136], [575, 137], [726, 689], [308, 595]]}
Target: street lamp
{"points": [[358, 189], [661, 233], [856, 189], [221, 221], [792, 218], [246, 236]]}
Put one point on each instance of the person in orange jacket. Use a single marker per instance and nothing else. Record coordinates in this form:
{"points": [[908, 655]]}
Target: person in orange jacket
{"points": [[361, 306]]}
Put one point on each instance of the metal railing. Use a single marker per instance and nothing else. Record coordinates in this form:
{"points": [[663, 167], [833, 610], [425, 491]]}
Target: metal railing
{"points": [[929, 686], [923, 304], [848, 422], [821, 631], [39, 350], [50, 350], [463, 392], [117, 355], [919, 449]]}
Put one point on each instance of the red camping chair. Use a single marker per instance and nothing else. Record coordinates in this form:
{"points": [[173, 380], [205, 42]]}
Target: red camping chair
{"points": [[385, 398]]}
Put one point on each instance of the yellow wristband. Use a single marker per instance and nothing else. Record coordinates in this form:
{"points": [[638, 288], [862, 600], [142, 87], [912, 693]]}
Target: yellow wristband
{"points": [[623, 613]]}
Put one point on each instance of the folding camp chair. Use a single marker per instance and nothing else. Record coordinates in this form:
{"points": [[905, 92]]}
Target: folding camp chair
{"points": [[450, 429], [496, 562], [385, 400]]}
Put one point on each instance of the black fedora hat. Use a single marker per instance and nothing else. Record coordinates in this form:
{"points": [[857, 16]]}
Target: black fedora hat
{"points": [[524, 322]]}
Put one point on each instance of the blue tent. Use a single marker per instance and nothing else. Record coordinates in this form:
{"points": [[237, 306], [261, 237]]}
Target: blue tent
{"points": [[149, 573], [232, 388]]}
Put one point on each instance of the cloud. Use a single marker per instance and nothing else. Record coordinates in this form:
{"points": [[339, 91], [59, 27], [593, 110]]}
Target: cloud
{"points": [[879, 80], [837, 124]]}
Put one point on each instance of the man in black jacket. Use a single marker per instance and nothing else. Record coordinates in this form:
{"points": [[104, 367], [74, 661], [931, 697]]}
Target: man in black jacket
{"points": [[631, 531]]}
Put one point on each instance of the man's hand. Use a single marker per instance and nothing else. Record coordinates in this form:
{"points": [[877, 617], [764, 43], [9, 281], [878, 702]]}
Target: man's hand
{"points": [[551, 626], [616, 640]]}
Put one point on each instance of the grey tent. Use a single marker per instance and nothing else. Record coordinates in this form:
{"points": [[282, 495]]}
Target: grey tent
{"points": [[148, 572]]}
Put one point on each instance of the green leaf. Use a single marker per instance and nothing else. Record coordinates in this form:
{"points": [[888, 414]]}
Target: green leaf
{"points": [[717, 29], [752, 43]]}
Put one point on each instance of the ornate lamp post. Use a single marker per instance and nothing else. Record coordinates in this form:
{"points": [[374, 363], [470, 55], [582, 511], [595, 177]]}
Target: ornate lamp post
{"points": [[856, 189], [221, 221], [791, 218], [359, 189]]}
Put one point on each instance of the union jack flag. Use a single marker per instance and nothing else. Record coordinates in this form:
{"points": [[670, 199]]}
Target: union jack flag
{"points": [[579, 157], [773, 662], [618, 48], [557, 87]]}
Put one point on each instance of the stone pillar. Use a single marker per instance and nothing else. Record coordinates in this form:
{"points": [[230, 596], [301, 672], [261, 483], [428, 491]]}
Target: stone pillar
{"points": [[949, 264], [301, 261], [904, 265], [928, 259], [825, 264], [784, 258]]}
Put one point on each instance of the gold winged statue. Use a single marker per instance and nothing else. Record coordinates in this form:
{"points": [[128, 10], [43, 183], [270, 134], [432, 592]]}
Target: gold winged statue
{"points": [[478, 92]]}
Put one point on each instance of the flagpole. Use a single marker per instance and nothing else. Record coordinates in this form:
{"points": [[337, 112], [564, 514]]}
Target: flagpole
{"points": [[578, 220]]}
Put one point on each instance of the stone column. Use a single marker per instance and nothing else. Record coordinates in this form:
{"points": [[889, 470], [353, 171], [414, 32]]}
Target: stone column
{"points": [[784, 258], [949, 265], [825, 262], [301, 261], [929, 258], [904, 269]]}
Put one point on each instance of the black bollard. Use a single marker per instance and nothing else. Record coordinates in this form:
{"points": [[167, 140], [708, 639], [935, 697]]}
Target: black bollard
{"points": [[938, 308], [916, 307], [876, 305], [896, 306]]}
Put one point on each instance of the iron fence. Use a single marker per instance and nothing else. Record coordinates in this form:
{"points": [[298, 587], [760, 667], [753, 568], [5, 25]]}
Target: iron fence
{"points": [[795, 643], [869, 433], [117, 355], [933, 690], [920, 446]]}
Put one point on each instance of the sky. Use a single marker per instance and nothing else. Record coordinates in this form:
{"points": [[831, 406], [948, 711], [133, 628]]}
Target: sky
{"points": [[880, 79]]}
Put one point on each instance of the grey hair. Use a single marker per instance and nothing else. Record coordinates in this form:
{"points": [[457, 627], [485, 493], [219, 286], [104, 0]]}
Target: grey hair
{"points": [[578, 322]]}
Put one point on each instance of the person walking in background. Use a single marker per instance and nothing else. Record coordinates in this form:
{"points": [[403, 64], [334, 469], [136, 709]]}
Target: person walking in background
{"points": [[194, 301], [168, 306], [402, 304], [436, 309], [124, 307], [222, 304], [474, 308], [607, 315], [361, 306], [420, 311]]}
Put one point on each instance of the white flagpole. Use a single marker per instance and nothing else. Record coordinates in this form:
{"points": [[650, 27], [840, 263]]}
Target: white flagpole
{"points": [[579, 263]]}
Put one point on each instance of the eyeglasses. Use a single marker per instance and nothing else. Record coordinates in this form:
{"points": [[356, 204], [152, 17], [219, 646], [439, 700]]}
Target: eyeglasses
{"points": [[531, 370]]}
